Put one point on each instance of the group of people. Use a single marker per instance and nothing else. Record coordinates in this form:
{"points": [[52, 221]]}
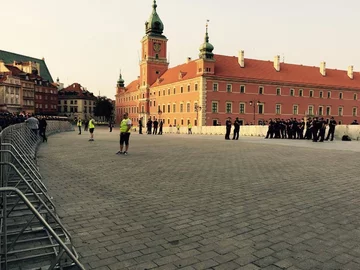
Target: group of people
{"points": [[38, 126], [152, 127], [89, 125], [313, 129]]}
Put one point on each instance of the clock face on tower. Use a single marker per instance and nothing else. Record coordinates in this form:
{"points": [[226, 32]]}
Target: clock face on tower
{"points": [[157, 47]]}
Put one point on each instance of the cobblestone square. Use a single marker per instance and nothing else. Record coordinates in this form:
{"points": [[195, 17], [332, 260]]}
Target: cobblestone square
{"points": [[200, 202]]}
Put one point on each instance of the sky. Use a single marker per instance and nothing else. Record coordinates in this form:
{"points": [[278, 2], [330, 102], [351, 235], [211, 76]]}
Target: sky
{"points": [[89, 41]]}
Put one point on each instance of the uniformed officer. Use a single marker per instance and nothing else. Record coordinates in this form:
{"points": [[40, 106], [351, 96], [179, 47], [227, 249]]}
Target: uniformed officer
{"points": [[315, 128], [322, 127], [236, 128], [91, 129], [331, 132], [228, 128]]}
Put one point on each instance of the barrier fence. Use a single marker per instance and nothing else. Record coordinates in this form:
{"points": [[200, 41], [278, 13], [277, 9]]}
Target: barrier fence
{"points": [[31, 233]]}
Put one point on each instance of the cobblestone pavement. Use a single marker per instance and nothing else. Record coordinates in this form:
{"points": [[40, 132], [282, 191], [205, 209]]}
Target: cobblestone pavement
{"points": [[200, 202]]}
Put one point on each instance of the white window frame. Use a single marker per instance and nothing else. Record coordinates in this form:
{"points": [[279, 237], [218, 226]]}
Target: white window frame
{"points": [[226, 107]]}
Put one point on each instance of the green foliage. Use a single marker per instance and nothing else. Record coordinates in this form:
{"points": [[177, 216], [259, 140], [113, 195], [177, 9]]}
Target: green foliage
{"points": [[104, 107]]}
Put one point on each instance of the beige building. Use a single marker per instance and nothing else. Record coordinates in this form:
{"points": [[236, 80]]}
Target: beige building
{"points": [[75, 101]]}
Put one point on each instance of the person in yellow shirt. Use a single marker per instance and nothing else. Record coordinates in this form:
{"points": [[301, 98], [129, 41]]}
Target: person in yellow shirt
{"points": [[189, 128], [91, 129], [79, 124], [125, 129]]}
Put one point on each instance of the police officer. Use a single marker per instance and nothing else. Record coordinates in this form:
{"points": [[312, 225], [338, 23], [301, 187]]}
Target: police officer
{"points": [[270, 132], [91, 129], [228, 128], [331, 132], [79, 124], [236, 128], [322, 127], [140, 125], [315, 128]]}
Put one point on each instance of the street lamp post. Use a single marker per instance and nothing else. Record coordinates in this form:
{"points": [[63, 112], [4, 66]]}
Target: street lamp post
{"points": [[252, 103], [197, 110]]}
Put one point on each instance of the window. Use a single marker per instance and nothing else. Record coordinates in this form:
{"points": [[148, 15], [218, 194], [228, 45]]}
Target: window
{"points": [[71, 102], [321, 94], [195, 122], [163, 92], [292, 92], [174, 90], [328, 110], [278, 109], [214, 107], [169, 107], [215, 87], [321, 112], [188, 107], [329, 94], [340, 111], [295, 109], [301, 93], [215, 122], [174, 108], [196, 86], [311, 93], [169, 92], [228, 107], [340, 122], [154, 103], [261, 90], [143, 109], [188, 88], [278, 91], [242, 89], [163, 108], [242, 108], [229, 88], [310, 110], [181, 89], [354, 111], [174, 122], [261, 108], [181, 107], [355, 96], [156, 56], [340, 95], [159, 94], [159, 108]]}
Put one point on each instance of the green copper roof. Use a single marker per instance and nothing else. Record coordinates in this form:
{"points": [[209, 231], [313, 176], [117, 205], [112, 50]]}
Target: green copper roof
{"points": [[154, 25], [206, 48], [9, 58], [121, 82]]}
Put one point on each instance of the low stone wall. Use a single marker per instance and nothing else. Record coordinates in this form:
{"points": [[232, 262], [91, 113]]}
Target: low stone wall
{"points": [[353, 131]]}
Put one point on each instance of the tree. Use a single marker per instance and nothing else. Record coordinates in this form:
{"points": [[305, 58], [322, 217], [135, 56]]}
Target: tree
{"points": [[104, 107]]}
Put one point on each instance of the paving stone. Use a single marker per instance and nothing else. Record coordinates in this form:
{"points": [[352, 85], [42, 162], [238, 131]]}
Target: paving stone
{"points": [[258, 200]]}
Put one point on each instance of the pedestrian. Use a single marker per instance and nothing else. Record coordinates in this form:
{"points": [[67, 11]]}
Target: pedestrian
{"points": [[110, 125], [125, 129], [86, 125], [149, 126], [79, 124], [322, 128], [315, 129], [33, 124], [42, 128], [91, 129], [140, 125], [178, 129], [236, 128], [156, 125], [189, 128], [331, 132], [228, 125], [161, 124]]}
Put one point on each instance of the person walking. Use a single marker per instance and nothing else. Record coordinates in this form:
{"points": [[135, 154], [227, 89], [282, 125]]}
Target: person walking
{"points": [[91, 129], [42, 128], [125, 129], [236, 129], [79, 124]]}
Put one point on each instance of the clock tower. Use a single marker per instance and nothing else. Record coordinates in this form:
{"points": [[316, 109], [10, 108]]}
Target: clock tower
{"points": [[153, 62]]}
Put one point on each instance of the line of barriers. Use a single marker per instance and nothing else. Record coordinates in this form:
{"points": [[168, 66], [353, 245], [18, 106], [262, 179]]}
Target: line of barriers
{"points": [[31, 233]]}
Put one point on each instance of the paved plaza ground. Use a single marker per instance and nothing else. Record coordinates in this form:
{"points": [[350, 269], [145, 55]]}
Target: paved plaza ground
{"points": [[200, 202]]}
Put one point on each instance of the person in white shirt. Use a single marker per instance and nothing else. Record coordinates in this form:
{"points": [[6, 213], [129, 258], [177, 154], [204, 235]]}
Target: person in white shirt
{"points": [[33, 124]]}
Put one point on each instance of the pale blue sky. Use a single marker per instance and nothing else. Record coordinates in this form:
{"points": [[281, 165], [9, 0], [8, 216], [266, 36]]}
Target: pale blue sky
{"points": [[88, 41]]}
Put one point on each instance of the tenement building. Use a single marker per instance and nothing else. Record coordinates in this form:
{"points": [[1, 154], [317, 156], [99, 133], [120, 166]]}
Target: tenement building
{"points": [[76, 101], [208, 90], [24, 89]]}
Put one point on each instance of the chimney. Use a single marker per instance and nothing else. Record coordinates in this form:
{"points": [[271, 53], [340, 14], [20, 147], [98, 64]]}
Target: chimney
{"points": [[323, 68], [188, 60], [277, 63], [351, 72], [241, 59]]}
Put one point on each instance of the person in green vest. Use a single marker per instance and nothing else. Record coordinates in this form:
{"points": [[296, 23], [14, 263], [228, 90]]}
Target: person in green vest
{"points": [[125, 129], [91, 129], [79, 124], [189, 128]]}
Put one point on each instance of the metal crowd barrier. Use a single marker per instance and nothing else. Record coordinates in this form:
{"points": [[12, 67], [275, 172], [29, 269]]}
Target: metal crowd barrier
{"points": [[31, 234]]}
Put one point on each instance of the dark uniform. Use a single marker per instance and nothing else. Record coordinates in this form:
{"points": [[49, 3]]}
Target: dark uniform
{"points": [[301, 129], [332, 125], [270, 132], [140, 126], [315, 129], [161, 127], [322, 128], [228, 129], [236, 129]]}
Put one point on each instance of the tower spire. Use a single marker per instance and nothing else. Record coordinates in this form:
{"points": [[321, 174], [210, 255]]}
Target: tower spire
{"points": [[154, 5], [206, 48], [120, 82], [154, 26]]}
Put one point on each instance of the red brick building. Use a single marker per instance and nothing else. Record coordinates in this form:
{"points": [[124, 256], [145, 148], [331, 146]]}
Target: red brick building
{"points": [[213, 87]]}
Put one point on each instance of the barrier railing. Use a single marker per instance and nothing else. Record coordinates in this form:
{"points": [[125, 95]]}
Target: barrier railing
{"points": [[31, 233]]}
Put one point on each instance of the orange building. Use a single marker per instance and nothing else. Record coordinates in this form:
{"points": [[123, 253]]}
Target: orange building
{"points": [[213, 87]]}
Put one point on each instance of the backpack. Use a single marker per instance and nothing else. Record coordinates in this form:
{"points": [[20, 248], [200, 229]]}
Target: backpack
{"points": [[346, 138]]}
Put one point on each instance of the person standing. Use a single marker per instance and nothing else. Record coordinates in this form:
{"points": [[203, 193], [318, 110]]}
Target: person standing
{"points": [[149, 125], [140, 125], [331, 132], [79, 124], [315, 129], [91, 129], [110, 126], [125, 129], [86, 125], [161, 124], [178, 129], [228, 125], [42, 128], [322, 127], [189, 128], [236, 128], [156, 125]]}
